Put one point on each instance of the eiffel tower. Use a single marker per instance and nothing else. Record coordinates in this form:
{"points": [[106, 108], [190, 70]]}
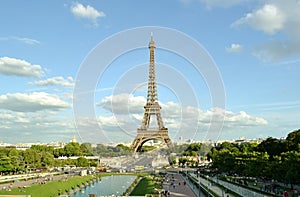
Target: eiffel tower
{"points": [[144, 133]]}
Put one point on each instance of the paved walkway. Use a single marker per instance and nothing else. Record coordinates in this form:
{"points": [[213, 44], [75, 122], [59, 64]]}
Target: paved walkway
{"points": [[213, 187], [176, 185], [217, 190]]}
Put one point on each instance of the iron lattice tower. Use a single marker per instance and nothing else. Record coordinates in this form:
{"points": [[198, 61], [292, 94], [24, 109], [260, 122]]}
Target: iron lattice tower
{"points": [[152, 108]]}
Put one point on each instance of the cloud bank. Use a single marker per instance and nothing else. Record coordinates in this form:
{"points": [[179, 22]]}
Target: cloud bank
{"points": [[21, 68], [32, 102], [55, 81]]}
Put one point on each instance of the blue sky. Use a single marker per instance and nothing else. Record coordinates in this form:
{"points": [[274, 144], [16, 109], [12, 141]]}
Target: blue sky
{"points": [[255, 46]]}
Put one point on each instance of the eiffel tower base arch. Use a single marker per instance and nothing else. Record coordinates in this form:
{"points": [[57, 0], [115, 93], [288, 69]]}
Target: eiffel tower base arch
{"points": [[144, 135]]}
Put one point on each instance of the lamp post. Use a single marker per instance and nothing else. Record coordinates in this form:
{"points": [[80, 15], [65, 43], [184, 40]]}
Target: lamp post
{"points": [[199, 183], [199, 174]]}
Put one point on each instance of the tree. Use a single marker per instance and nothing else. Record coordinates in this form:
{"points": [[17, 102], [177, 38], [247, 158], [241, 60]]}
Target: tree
{"points": [[248, 147], [72, 149], [86, 149], [293, 141], [123, 147], [82, 162], [5, 164], [29, 158], [47, 159], [192, 150], [273, 146], [182, 161], [291, 164], [16, 160], [224, 160], [42, 148]]}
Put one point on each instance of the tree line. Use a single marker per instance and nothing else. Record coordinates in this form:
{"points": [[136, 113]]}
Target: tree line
{"points": [[14, 161], [277, 159]]}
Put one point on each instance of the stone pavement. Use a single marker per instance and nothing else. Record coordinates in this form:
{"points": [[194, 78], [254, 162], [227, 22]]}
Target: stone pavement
{"points": [[176, 185], [217, 190], [212, 187]]}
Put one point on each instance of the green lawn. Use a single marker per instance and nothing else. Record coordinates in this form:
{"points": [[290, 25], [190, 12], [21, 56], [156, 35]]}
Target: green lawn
{"points": [[147, 186], [50, 189]]}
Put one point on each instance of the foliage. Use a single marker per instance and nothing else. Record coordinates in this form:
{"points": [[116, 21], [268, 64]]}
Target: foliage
{"points": [[182, 161], [277, 159], [112, 151], [293, 141], [192, 150], [83, 162], [147, 148], [274, 147], [147, 186], [44, 157]]}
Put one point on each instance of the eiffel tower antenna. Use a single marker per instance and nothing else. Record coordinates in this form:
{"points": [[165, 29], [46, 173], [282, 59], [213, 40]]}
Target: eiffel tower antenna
{"points": [[152, 108]]}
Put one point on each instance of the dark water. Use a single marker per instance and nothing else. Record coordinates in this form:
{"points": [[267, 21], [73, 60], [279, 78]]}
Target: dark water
{"points": [[110, 185]]}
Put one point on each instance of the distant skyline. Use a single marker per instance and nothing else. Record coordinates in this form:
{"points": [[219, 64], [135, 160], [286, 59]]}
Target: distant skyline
{"points": [[255, 46]]}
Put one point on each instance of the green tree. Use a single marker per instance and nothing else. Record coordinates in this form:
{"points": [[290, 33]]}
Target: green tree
{"points": [[5, 164], [47, 159], [293, 141], [248, 147], [86, 149], [123, 147], [29, 158], [82, 162], [182, 161], [291, 164], [72, 149], [192, 150], [273, 146], [224, 160], [16, 160], [42, 148]]}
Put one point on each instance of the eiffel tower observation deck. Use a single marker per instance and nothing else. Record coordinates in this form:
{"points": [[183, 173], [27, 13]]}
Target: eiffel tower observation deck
{"points": [[152, 108]]}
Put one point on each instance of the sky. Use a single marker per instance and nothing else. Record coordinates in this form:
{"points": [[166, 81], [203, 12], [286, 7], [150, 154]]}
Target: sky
{"points": [[80, 68]]}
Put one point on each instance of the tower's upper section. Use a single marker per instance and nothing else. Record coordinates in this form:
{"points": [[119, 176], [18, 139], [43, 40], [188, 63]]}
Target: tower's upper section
{"points": [[152, 91], [151, 43]]}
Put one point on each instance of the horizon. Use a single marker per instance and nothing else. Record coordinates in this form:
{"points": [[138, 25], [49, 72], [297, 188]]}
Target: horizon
{"points": [[246, 84]]}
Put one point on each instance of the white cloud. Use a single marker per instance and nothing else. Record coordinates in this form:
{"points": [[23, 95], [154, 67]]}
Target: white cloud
{"points": [[17, 67], [55, 81], [277, 50], [269, 19], [183, 121], [29, 127], [276, 16], [242, 119], [235, 48], [29, 41], [123, 103], [87, 12], [32, 102]]}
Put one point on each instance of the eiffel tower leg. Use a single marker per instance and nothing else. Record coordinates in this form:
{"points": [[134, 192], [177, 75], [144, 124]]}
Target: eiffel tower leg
{"points": [[134, 145]]}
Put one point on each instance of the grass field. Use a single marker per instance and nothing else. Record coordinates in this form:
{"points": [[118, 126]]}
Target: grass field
{"points": [[50, 189], [147, 186]]}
